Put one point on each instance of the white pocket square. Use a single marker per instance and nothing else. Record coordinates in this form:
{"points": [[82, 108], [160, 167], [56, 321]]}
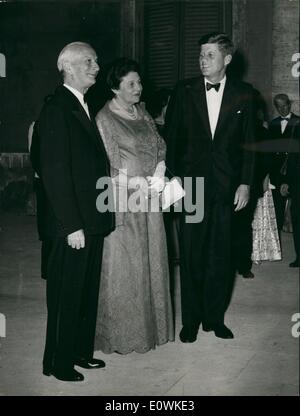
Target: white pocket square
{"points": [[239, 112]]}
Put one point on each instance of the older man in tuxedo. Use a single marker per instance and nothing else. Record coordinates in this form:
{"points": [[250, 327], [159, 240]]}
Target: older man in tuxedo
{"points": [[282, 127], [69, 157], [209, 119]]}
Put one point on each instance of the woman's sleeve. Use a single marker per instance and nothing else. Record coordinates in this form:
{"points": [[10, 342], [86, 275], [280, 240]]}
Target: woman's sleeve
{"points": [[161, 145], [162, 148], [160, 169], [106, 128], [119, 178]]}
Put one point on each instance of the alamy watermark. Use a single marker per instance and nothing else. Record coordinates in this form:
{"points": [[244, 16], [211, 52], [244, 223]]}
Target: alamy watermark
{"points": [[135, 194], [2, 326], [296, 326], [296, 66], [2, 66]]}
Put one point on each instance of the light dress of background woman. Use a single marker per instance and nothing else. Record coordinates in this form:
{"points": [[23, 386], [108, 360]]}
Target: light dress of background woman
{"points": [[134, 311]]}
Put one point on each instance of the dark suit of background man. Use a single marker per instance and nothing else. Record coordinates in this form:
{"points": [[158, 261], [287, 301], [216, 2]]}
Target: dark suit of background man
{"points": [[69, 157], [209, 119], [291, 187], [280, 128]]}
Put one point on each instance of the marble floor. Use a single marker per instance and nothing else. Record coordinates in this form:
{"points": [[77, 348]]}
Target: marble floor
{"points": [[262, 359]]}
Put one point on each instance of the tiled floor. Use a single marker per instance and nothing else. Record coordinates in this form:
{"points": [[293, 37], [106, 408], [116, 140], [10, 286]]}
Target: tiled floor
{"points": [[262, 359]]}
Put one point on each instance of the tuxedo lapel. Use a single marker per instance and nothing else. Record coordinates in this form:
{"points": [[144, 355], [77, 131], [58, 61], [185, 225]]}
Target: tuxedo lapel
{"points": [[81, 115], [73, 105], [199, 97], [90, 127], [290, 127], [278, 133], [226, 105]]}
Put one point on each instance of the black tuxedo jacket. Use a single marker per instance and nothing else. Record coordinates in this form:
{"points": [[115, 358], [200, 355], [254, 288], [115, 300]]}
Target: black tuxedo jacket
{"points": [[68, 154], [191, 151], [278, 159], [293, 167]]}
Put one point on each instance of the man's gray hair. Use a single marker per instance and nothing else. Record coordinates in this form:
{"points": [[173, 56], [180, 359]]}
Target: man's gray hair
{"points": [[68, 53]]}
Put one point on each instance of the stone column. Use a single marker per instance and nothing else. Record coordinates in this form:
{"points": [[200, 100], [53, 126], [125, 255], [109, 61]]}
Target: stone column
{"points": [[239, 24], [285, 45], [132, 19], [252, 35]]}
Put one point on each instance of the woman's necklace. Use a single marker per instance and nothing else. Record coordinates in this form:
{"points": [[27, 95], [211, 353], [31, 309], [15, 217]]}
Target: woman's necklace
{"points": [[131, 112]]}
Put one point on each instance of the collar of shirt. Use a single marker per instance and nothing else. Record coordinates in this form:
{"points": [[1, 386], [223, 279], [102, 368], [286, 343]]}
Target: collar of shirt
{"points": [[284, 122], [79, 96], [214, 100], [222, 85], [288, 116]]}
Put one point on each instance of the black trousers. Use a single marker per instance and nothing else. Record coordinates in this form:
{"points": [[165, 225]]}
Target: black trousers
{"points": [[242, 237], [295, 214], [205, 265], [279, 205], [73, 279]]}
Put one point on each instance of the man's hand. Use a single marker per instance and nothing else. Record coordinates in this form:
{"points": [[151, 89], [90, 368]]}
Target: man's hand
{"points": [[241, 197], [76, 239], [284, 189]]}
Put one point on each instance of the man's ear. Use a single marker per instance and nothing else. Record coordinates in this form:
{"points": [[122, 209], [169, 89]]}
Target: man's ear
{"points": [[227, 59], [67, 67]]}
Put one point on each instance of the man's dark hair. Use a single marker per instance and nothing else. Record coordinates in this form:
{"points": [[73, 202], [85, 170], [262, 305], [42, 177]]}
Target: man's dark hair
{"points": [[221, 39], [283, 97], [119, 69]]}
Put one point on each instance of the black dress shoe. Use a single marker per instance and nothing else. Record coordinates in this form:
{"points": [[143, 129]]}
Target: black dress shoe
{"points": [[220, 330], [247, 274], [89, 363], [188, 334], [71, 375], [47, 372], [295, 263]]}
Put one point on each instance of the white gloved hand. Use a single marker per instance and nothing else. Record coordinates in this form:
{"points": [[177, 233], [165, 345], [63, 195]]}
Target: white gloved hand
{"points": [[139, 183], [156, 184]]}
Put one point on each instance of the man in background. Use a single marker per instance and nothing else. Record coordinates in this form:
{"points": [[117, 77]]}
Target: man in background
{"points": [[282, 127]]}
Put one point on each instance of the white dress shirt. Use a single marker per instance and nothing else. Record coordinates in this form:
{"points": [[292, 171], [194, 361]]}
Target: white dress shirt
{"points": [[80, 98], [214, 101], [284, 123]]}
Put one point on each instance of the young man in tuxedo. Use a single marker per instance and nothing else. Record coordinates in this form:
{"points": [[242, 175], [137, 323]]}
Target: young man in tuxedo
{"points": [[209, 118], [282, 127], [69, 157]]}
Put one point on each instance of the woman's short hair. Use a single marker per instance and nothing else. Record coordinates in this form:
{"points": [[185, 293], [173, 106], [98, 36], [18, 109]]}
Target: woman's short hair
{"points": [[221, 39], [119, 69]]}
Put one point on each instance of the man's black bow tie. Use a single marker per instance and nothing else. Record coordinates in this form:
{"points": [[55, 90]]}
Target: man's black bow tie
{"points": [[284, 118], [215, 86]]}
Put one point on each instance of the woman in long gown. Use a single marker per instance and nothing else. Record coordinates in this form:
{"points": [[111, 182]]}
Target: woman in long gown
{"points": [[134, 311]]}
